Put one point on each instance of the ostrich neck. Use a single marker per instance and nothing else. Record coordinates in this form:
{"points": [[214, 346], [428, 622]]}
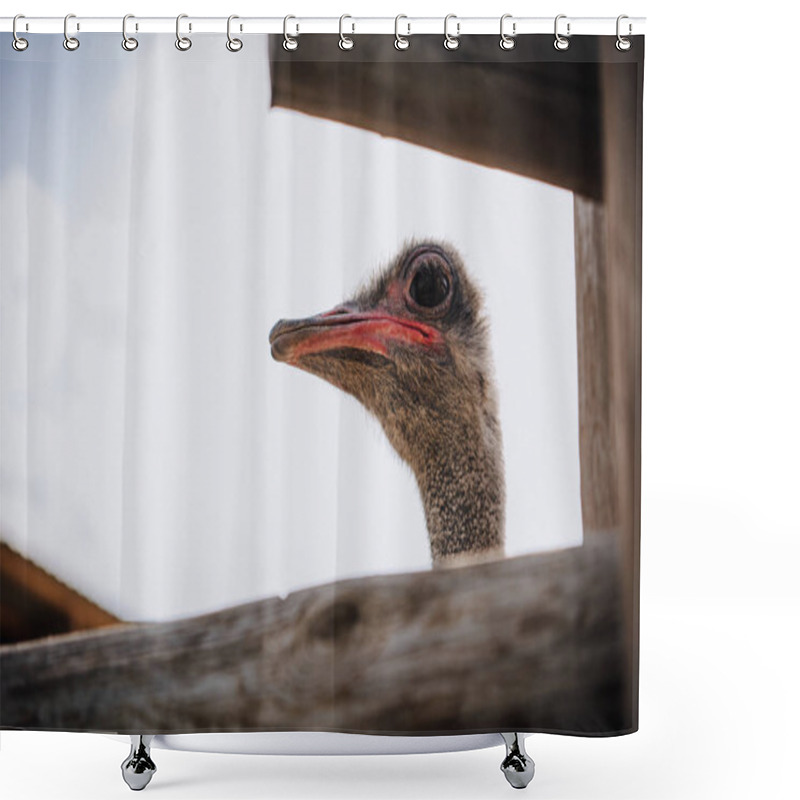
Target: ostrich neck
{"points": [[461, 482]]}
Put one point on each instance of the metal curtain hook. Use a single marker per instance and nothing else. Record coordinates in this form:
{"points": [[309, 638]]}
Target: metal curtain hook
{"points": [[451, 42], [128, 42], [345, 42], [401, 42], [623, 43], [289, 42], [183, 43], [70, 42], [18, 43], [507, 42], [234, 45], [561, 42]]}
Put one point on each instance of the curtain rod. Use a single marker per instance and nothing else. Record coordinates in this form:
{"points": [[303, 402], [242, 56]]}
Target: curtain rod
{"points": [[631, 26]]}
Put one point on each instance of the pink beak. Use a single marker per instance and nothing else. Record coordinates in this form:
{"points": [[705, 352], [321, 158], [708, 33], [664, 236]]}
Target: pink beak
{"points": [[345, 328]]}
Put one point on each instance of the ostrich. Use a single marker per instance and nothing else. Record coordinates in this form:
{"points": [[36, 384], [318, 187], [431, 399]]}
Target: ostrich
{"points": [[412, 346]]}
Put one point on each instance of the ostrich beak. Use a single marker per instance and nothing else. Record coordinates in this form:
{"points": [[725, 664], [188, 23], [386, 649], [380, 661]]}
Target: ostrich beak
{"points": [[344, 328]]}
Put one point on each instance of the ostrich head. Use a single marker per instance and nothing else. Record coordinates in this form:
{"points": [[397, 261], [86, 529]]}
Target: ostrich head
{"points": [[412, 346]]}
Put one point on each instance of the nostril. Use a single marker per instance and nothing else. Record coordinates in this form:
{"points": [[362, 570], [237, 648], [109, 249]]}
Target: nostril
{"points": [[337, 312]]}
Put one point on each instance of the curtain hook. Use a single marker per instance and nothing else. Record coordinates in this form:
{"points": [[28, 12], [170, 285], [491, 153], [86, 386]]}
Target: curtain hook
{"points": [[623, 43], [289, 42], [70, 42], [451, 42], [561, 42], [128, 42], [183, 43], [507, 42], [18, 43], [234, 45], [401, 42], [345, 42]]}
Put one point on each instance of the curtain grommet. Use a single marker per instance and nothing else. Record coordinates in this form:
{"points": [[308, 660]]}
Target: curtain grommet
{"points": [[290, 43], [129, 43], [451, 42], [70, 43], [401, 42], [561, 42], [345, 42], [623, 44], [233, 44], [18, 43], [507, 41], [183, 43]]}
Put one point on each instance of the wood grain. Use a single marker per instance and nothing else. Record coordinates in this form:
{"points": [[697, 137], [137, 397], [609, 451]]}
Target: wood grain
{"points": [[513, 110], [489, 647], [621, 97], [599, 484]]}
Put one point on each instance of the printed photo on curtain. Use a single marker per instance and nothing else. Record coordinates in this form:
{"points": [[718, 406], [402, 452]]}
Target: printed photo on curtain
{"points": [[320, 400]]}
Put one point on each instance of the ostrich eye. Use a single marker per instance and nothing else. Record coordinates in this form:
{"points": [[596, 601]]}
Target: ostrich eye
{"points": [[430, 285]]}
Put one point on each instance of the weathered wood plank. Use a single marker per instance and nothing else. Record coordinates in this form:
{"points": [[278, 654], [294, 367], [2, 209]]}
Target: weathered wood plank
{"points": [[599, 488], [517, 110], [528, 641], [621, 98]]}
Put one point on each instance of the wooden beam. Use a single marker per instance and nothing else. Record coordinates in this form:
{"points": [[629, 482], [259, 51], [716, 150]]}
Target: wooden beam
{"points": [[529, 110], [621, 99], [533, 640], [34, 603], [599, 480]]}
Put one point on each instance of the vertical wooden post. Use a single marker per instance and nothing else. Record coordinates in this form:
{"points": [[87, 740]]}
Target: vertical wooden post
{"points": [[621, 98], [599, 479]]}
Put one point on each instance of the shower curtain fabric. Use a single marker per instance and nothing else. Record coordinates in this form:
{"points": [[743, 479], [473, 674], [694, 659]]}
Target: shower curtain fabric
{"points": [[435, 459]]}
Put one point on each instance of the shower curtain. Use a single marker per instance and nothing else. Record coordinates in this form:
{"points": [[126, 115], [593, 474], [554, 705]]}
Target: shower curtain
{"points": [[320, 385]]}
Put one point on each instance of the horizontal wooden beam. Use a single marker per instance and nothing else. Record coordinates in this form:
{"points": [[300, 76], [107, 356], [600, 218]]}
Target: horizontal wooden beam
{"points": [[530, 110], [527, 643]]}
